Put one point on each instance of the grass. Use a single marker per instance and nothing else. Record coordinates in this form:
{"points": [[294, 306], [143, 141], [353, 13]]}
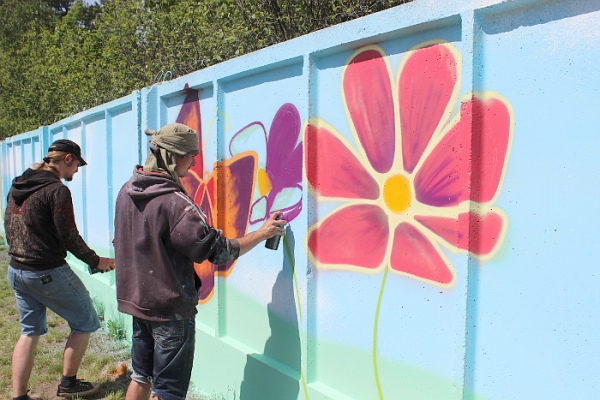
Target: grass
{"points": [[116, 328], [106, 361]]}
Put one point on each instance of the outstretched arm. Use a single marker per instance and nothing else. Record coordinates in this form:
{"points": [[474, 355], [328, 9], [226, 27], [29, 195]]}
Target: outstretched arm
{"points": [[270, 228], [200, 241]]}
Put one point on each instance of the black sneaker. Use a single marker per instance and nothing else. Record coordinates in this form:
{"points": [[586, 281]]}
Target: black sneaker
{"points": [[27, 397], [80, 388]]}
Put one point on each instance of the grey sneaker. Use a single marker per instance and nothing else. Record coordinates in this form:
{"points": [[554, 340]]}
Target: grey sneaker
{"points": [[80, 388]]}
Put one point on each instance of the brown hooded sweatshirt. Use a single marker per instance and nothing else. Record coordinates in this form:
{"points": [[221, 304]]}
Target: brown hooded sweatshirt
{"points": [[159, 234]]}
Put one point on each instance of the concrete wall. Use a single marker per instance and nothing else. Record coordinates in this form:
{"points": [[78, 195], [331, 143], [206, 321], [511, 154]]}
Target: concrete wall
{"points": [[438, 165]]}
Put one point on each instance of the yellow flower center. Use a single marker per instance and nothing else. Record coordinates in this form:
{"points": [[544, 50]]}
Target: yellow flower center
{"points": [[396, 193], [264, 183]]}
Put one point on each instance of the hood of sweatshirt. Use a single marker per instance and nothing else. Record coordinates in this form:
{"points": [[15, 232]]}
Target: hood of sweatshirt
{"points": [[30, 182], [146, 185]]}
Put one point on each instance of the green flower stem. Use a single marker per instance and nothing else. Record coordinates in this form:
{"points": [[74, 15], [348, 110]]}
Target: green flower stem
{"points": [[290, 255], [376, 334]]}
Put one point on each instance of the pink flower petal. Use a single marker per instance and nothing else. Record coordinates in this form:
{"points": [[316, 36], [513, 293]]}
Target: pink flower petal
{"points": [[425, 87], [476, 233], [491, 138], [368, 94], [443, 180], [462, 160], [356, 235], [414, 254], [332, 170]]}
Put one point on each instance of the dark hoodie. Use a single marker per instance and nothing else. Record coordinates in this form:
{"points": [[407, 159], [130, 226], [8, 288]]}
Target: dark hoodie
{"points": [[40, 223], [159, 234]]}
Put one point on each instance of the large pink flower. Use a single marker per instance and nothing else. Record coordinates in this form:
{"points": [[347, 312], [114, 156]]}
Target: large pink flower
{"points": [[418, 180]]}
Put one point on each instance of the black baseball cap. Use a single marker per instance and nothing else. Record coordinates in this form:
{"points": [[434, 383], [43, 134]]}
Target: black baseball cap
{"points": [[68, 146]]}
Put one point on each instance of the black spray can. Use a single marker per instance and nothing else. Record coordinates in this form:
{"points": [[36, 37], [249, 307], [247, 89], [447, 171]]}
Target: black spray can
{"points": [[273, 243], [93, 270]]}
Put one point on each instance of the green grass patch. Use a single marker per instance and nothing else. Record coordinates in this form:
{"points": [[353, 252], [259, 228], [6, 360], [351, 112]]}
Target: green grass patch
{"points": [[116, 328]]}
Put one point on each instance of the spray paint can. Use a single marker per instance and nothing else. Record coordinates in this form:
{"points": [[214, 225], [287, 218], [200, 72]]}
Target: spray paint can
{"points": [[273, 243]]}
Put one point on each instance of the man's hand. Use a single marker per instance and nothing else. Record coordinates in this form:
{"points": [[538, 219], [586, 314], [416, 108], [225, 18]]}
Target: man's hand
{"points": [[270, 228], [106, 264], [273, 226]]}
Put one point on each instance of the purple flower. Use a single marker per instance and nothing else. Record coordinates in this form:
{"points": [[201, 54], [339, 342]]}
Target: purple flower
{"points": [[279, 177]]}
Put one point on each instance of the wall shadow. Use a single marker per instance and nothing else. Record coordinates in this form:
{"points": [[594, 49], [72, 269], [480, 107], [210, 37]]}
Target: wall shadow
{"points": [[275, 374]]}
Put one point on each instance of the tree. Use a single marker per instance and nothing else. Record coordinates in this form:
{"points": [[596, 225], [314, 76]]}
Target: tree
{"points": [[60, 57], [23, 22]]}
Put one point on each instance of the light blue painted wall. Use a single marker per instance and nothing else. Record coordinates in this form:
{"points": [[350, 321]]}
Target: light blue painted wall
{"points": [[519, 324]]}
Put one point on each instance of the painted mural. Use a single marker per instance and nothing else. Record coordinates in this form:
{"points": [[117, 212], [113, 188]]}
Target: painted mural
{"points": [[262, 175], [419, 180]]}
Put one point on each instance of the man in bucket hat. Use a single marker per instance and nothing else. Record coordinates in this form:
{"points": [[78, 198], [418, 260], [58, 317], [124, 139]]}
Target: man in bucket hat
{"points": [[40, 229], [159, 233]]}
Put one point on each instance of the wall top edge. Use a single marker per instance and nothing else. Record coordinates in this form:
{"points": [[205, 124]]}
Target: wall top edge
{"points": [[363, 29], [94, 111], [76, 118], [24, 136]]}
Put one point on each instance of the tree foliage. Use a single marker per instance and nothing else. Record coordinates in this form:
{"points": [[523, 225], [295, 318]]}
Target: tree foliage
{"points": [[60, 57]]}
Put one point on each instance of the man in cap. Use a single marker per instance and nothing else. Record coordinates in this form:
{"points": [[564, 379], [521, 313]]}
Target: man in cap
{"points": [[40, 229], [159, 233]]}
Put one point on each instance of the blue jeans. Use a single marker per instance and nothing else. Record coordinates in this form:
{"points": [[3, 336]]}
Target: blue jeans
{"points": [[163, 355], [58, 289]]}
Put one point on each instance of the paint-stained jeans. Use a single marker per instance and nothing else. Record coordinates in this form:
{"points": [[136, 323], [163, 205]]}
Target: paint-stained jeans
{"points": [[163, 354]]}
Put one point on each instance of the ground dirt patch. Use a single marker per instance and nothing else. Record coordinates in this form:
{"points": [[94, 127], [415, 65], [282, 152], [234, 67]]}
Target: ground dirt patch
{"points": [[113, 377]]}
